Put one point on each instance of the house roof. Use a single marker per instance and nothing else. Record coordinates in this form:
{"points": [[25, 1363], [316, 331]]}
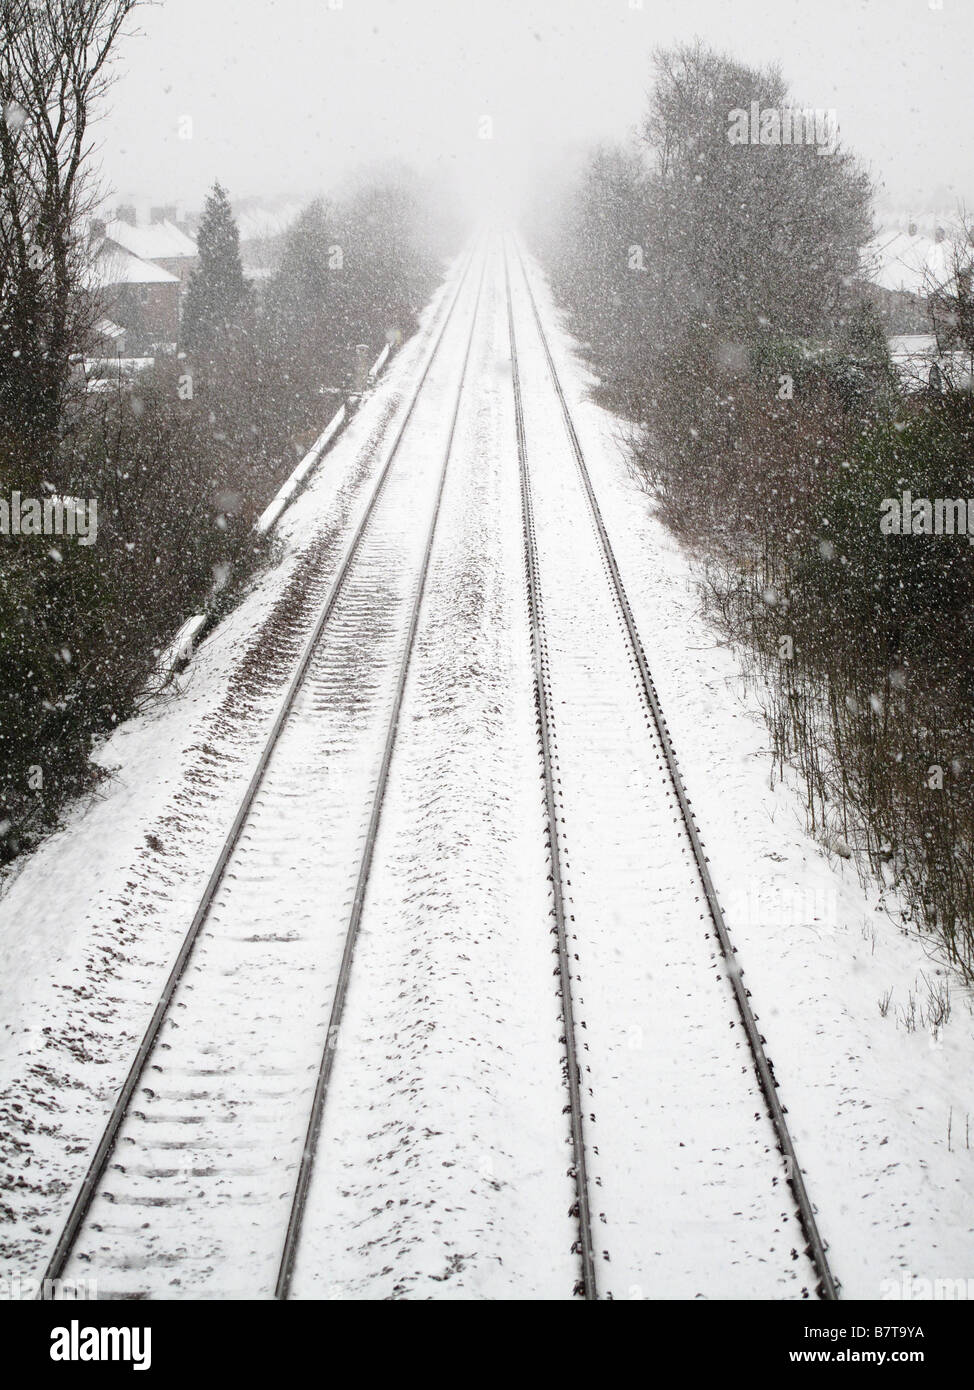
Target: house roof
{"points": [[162, 241], [914, 264], [255, 224], [111, 265]]}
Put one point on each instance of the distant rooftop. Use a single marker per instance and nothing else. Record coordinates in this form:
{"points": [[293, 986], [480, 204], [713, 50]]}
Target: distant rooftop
{"points": [[105, 328], [161, 241], [111, 265], [909, 261], [257, 223]]}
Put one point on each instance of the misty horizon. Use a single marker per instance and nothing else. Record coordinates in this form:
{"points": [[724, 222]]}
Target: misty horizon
{"points": [[283, 101]]}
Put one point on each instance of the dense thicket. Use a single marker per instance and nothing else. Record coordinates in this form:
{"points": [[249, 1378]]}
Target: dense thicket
{"points": [[716, 288]]}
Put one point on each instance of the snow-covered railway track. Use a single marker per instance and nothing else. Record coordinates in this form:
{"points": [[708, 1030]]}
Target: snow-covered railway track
{"points": [[546, 738], [596, 673], [197, 1184], [439, 1158]]}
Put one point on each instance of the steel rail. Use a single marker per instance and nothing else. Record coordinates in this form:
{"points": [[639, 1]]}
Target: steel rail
{"points": [[106, 1144], [816, 1250], [306, 1168], [539, 648]]}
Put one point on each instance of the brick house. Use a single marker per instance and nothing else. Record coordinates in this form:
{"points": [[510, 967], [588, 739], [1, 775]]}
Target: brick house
{"points": [[137, 295], [160, 242], [139, 276]]}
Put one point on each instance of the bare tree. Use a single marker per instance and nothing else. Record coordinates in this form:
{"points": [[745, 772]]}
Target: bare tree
{"points": [[54, 69]]}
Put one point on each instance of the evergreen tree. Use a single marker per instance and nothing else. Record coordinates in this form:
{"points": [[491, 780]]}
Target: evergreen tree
{"points": [[306, 308], [218, 298]]}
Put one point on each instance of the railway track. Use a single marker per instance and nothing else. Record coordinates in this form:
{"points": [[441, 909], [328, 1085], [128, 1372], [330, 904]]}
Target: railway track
{"points": [[225, 988], [587, 1285], [657, 727], [203, 1171]]}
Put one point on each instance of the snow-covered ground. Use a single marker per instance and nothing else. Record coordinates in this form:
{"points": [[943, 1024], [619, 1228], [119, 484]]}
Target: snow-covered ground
{"points": [[443, 1165], [689, 1189], [881, 1112], [914, 354], [89, 924]]}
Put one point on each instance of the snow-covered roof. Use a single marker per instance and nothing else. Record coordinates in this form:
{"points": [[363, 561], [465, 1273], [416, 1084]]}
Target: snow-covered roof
{"points": [[112, 265], [909, 263], [162, 241], [255, 224], [105, 328], [902, 219]]}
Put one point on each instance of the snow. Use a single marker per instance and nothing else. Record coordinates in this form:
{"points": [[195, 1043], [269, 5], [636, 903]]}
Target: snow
{"points": [[443, 1162], [113, 265], [690, 1192], [290, 489], [159, 241], [90, 923], [257, 223], [870, 1102], [909, 262], [105, 328]]}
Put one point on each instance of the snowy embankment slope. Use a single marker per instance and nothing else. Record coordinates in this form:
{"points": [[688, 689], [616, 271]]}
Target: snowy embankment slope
{"points": [[881, 1112]]}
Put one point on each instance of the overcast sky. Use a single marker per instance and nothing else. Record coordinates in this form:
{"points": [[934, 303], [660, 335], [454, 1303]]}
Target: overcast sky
{"points": [[286, 95]]}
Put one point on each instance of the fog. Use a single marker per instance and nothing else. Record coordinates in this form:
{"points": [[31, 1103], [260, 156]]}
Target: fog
{"points": [[282, 97]]}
